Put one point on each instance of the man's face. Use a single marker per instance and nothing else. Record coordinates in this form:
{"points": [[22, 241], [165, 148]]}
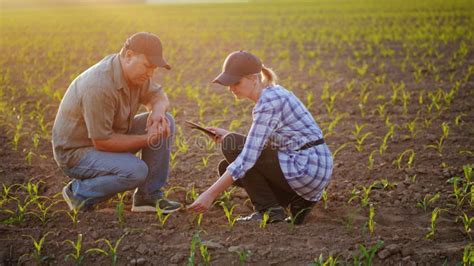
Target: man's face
{"points": [[137, 69]]}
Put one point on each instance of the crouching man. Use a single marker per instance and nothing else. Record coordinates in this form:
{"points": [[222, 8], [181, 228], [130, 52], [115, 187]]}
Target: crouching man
{"points": [[97, 132]]}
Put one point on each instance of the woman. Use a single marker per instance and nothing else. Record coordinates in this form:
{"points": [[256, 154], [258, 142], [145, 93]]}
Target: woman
{"points": [[283, 161]]}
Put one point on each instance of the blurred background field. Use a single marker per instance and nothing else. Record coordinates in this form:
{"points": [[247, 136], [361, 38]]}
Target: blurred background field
{"points": [[386, 80]]}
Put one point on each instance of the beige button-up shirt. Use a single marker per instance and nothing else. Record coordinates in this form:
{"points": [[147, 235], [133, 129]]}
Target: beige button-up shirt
{"points": [[97, 104]]}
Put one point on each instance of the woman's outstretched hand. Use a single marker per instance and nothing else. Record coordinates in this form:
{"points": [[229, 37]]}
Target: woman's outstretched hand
{"points": [[202, 203], [220, 133]]}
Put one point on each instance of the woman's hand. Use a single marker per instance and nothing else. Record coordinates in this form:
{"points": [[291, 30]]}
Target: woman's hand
{"points": [[202, 203], [220, 133]]}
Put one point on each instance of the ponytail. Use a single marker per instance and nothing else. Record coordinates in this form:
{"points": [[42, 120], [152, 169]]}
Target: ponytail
{"points": [[268, 76]]}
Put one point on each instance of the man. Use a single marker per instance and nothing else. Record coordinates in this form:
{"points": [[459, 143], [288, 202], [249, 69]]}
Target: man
{"points": [[96, 132]]}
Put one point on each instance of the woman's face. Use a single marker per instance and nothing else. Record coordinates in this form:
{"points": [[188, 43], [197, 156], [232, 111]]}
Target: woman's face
{"points": [[243, 88]]}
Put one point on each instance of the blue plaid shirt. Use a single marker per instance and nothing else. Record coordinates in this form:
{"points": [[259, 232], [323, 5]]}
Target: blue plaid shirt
{"points": [[280, 119]]}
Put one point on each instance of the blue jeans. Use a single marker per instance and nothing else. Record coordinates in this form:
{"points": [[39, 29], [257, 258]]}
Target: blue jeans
{"points": [[100, 175]]}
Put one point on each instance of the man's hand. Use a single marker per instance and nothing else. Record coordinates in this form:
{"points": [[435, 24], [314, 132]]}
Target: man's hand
{"points": [[202, 203], [220, 133], [159, 121]]}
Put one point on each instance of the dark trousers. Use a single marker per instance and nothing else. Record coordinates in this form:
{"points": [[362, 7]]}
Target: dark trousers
{"points": [[264, 182]]}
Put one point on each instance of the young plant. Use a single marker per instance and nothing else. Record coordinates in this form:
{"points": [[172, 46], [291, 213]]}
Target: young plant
{"points": [[193, 195], [120, 208], [265, 218], [228, 213], [112, 249], [18, 216], [370, 222], [427, 201], [370, 164], [468, 255], [399, 159], [439, 144], [324, 196], [36, 254], [434, 217], [292, 218], [367, 254], [160, 215], [76, 255], [195, 240], [243, 256], [467, 221], [43, 211], [320, 261], [206, 256]]}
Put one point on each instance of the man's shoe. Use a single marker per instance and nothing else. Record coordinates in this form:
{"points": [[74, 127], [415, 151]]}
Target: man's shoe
{"points": [[300, 208], [275, 215], [143, 204], [73, 202]]}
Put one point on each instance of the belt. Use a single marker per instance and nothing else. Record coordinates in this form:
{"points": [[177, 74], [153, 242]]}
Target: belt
{"points": [[311, 144]]}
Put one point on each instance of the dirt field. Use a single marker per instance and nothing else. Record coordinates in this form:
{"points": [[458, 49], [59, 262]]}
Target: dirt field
{"points": [[390, 83]]}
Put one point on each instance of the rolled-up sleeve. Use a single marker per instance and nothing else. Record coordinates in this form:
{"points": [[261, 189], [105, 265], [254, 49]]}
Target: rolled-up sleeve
{"points": [[98, 108], [265, 121], [149, 91]]}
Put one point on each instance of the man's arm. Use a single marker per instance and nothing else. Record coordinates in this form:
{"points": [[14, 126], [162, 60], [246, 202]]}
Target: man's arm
{"points": [[121, 143]]}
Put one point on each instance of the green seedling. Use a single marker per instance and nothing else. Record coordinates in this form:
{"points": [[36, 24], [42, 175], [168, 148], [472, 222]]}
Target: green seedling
{"points": [[18, 215], [160, 215], [367, 254], [400, 157], [76, 255], [195, 240], [434, 217], [370, 222], [370, 164], [384, 145], [360, 141], [37, 253], [43, 211], [265, 218], [362, 194], [228, 214], [120, 208], [227, 197], [439, 144], [32, 188], [324, 196], [206, 256], [339, 149], [468, 255], [193, 195], [243, 256], [427, 201], [112, 251], [292, 218], [320, 261], [467, 221]]}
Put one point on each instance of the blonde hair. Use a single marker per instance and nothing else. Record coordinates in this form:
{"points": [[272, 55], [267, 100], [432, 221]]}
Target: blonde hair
{"points": [[268, 77]]}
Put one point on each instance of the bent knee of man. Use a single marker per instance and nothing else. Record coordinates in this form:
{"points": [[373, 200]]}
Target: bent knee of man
{"points": [[139, 171]]}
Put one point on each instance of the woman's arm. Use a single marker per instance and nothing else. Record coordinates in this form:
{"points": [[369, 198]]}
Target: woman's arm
{"points": [[204, 201]]}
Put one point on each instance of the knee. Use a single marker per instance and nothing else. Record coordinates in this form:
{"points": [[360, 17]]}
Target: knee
{"points": [[231, 146], [138, 172]]}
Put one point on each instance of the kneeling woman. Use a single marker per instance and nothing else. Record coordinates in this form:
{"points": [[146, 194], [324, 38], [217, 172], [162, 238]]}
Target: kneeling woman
{"points": [[283, 161]]}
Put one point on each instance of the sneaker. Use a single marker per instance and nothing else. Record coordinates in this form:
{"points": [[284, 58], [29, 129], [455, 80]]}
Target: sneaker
{"points": [[300, 208], [73, 202], [275, 215], [143, 204]]}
